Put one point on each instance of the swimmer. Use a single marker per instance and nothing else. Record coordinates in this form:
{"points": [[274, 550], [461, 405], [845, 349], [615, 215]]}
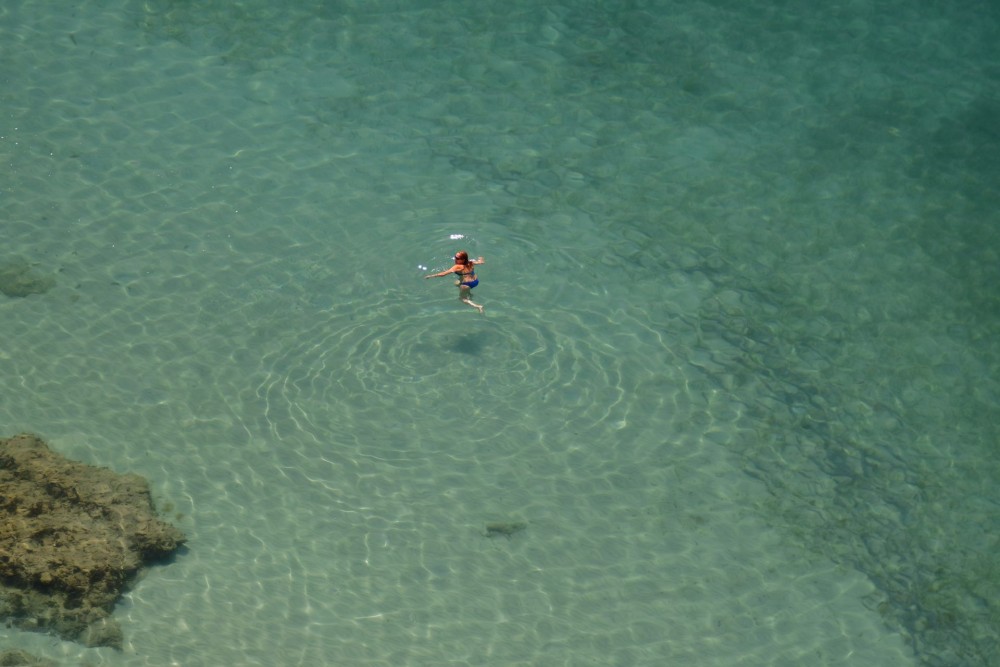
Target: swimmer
{"points": [[465, 269]]}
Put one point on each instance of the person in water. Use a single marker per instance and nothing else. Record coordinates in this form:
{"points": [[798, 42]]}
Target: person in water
{"points": [[465, 269]]}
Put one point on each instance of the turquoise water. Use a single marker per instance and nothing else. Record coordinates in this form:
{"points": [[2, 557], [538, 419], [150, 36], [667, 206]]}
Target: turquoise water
{"points": [[737, 374]]}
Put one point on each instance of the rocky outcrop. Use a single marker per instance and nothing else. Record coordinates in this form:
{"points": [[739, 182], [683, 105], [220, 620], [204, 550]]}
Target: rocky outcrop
{"points": [[72, 536]]}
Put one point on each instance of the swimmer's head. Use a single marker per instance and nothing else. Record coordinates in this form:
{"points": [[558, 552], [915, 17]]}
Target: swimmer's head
{"points": [[461, 257]]}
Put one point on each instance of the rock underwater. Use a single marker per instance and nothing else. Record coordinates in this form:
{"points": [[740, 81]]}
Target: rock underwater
{"points": [[18, 278], [72, 537]]}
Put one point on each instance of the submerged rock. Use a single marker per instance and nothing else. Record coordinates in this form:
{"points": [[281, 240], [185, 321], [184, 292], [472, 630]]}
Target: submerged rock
{"points": [[17, 658], [506, 528], [18, 278], [72, 536]]}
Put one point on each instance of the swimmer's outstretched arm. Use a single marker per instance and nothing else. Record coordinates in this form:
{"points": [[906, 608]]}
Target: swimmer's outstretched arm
{"points": [[454, 269]]}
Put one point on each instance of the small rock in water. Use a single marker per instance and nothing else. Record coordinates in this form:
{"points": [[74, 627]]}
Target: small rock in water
{"points": [[505, 528]]}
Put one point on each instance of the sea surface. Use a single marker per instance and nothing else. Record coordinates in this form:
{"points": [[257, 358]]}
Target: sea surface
{"points": [[734, 396]]}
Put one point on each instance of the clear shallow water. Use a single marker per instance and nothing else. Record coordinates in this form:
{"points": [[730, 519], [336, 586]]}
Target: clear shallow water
{"points": [[736, 373]]}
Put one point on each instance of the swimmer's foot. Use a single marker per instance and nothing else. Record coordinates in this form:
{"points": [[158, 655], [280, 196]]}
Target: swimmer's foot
{"points": [[474, 305]]}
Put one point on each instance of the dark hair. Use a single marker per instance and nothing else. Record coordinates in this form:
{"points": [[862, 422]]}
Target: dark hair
{"points": [[462, 255]]}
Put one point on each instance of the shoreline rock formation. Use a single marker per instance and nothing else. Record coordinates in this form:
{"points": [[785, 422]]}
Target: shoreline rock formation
{"points": [[72, 537]]}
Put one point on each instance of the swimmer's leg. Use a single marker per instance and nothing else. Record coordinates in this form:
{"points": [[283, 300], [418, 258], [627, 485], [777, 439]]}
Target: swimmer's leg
{"points": [[465, 296]]}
